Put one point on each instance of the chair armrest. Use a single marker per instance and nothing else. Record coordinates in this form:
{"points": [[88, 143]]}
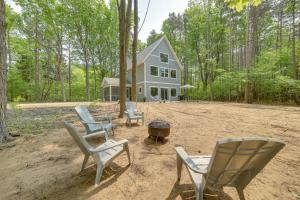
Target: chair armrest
{"points": [[188, 161], [108, 118], [84, 122], [118, 143], [96, 134]]}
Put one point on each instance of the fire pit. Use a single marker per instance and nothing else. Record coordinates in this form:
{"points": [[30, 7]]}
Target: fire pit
{"points": [[159, 129]]}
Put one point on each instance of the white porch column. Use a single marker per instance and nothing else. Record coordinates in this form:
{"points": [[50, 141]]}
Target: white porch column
{"points": [[110, 93]]}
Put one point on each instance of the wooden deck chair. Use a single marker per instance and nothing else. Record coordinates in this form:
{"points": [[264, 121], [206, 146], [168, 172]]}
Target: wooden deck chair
{"points": [[90, 124], [132, 113], [103, 154], [234, 162]]}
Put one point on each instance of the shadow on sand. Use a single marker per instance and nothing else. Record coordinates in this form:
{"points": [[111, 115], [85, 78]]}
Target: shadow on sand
{"points": [[187, 192]]}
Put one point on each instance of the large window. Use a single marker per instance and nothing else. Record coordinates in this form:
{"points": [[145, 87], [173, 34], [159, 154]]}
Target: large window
{"points": [[173, 73], [164, 58], [164, 72], [173, 92], [154, 71], [154, 91]]}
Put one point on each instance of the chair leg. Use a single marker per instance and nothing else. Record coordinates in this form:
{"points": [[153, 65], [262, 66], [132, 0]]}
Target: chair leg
{"points": [[113, 130], [143, 121], [240, 193], [86, 158], [179, 168], [199, 194], [127, 152], [98, 174], [129, 122]]}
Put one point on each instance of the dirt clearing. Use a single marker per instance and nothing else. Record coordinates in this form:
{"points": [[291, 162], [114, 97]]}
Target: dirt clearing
{"points": [[46, 164]]}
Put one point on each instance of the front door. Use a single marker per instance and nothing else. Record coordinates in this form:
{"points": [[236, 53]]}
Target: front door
{"points": [[128, 94], [164, 93]]}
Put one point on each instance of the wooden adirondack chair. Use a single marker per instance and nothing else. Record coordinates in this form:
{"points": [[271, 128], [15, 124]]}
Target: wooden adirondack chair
{"points": [[103, 154], [132, 113], [90, 124], [234, 162]]}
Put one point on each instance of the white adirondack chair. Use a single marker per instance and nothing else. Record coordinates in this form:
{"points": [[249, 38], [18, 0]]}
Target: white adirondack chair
{"points": [[132, 113], [234, 162], [90, 124], [103, 154]]}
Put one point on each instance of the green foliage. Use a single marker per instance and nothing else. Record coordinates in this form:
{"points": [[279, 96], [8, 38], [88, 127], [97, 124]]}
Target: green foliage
{"points": [[239, 5], [40, 38]]}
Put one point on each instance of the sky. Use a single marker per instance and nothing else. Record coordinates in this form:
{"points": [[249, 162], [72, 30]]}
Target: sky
{"points": [[158, 11]]}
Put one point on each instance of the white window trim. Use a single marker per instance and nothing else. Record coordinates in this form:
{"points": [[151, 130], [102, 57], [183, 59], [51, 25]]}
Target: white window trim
{"points": [[157, 71], [140, 90], [159, 57], [165, 54], [171, 92], [157, 90], [170, 73], [154, 82], [164, 72]]}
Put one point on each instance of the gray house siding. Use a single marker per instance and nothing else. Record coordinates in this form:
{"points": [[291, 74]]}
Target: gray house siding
{"points": [[145, 81], [158, 81], [159, 86], [139, 95], [139, 74], [163, 48]]}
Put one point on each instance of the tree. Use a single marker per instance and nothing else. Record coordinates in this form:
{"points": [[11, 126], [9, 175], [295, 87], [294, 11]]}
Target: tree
{"points": [[124, 29], [134, 49], [3, 73], [250, 50], [153, 37]]}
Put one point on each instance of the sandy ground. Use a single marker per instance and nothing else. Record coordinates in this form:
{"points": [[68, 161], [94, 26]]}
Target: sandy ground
{"points": [[47, 165]]}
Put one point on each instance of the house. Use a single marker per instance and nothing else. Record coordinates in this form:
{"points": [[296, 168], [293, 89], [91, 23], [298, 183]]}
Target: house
{"points": [[158, 74]]}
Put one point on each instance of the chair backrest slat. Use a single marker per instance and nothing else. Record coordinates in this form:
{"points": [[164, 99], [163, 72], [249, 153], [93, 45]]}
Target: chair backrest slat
{"points": [[84, 115], [83, 145], [237, 161], [130, 106]]}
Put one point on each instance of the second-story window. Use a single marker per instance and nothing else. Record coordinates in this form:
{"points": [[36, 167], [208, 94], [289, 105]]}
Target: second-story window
{"points": [[154, 70], [164, 58], [164, 72], [173, 73]]}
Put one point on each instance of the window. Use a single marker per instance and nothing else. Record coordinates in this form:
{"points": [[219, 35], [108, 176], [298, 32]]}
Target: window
{"points": [[173, 92], [164, 72], [154, 91], [154, 71], [140, 90], [173, 73], [164, 58]]}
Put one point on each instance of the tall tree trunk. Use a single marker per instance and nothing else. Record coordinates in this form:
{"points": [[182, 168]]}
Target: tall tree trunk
{"points": [[70, 73], [250, 51], [87, 77], [59, 70], [95, 76], [8, 48], [124, 28], [83, 44], [37, 63], [3, 73], [134, 47], [295, 64]]}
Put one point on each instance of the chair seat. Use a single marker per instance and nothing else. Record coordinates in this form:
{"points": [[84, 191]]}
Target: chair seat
{"points": [[202, 163], [107, 155], [136, 117], [100, 127]]}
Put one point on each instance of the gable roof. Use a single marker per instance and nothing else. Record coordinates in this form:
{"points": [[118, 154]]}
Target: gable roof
{"points": [[112, 82], [142, 56]]}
